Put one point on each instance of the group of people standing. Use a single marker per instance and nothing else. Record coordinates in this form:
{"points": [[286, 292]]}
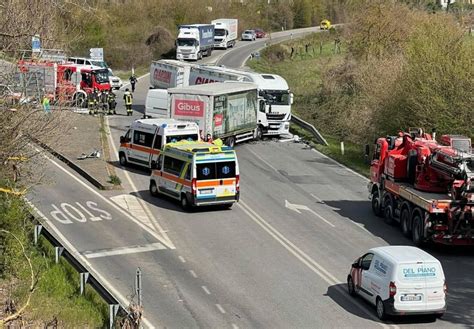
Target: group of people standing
{"points": [[104, 101]]}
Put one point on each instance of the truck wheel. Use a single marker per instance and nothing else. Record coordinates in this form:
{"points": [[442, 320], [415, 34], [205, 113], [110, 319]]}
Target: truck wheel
{"points": [[405, 222], [123, 159], [417, 229], [199, 55], [208, 53], [80, 101], [388, 210], [258, 133], [376, 208], [153, 189], [230, 141]]}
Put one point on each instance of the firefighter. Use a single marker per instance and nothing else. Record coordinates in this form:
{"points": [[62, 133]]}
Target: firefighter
{"points": [[133, 81], [91, 101], [128, 98], [112, 103], [104, 104]]}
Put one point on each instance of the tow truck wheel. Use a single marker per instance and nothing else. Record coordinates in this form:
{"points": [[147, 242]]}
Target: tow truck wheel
{"points": [[417, 229], [376, 203], [258, 133], [405, 222], [388, 210]]}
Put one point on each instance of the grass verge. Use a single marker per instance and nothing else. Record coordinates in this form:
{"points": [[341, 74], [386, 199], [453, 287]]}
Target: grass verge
{"points": [[125, 74], [55, 300]]}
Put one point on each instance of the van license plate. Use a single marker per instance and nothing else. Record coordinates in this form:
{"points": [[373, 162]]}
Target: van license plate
{"points": [[411, 298], [206, 191]]}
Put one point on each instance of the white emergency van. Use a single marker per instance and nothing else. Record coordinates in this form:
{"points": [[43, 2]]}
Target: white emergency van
{"points": [[146, 137], [157, 104], [399, 280], [197, 174]]}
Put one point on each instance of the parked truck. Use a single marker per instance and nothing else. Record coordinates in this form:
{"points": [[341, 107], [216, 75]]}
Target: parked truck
{"points": [[222, 110], [194, 41], [226, 32], [426, 187], [273, 119]]}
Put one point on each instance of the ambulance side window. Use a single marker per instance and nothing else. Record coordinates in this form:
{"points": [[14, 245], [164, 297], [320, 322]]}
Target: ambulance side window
{"points": [[142, 138], [173, 166], [157, 144]]}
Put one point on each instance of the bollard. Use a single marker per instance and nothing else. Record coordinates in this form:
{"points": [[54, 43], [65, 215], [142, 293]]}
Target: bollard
{"points": [[342, 148], [83, 277], [58, 253], [37, 232]]}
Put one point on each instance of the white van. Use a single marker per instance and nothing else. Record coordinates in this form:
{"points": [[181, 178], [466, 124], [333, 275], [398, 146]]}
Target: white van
{"points": [[144, 140], [157, 104], [399, 280]]}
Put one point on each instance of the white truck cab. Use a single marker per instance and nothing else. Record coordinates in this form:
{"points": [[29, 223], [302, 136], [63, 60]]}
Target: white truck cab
{"points": [[144, 140], [399, 280]]}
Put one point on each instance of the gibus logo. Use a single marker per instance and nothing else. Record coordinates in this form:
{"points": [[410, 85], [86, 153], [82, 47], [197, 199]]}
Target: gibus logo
{"points": [[188, 107], [162, 75], [218, 118], [202, 81]]}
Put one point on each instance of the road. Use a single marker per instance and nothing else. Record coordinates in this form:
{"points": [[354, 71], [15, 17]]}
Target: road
{"points": [[278, 259]]}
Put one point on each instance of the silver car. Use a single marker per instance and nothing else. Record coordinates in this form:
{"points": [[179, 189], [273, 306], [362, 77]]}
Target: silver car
{"points": [[249, 35]]}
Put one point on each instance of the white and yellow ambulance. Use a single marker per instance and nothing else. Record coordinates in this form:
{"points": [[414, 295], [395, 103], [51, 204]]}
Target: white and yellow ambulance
{"points": [[197, 174], [146, 137]]}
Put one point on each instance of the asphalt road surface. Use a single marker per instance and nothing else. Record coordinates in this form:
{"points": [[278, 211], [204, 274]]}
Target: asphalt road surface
{"points": [[278, 259]]}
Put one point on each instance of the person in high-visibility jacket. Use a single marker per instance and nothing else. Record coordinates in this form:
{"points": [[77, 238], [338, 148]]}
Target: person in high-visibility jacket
{"points": [[112, 103], [92, 101], [128, 98]]}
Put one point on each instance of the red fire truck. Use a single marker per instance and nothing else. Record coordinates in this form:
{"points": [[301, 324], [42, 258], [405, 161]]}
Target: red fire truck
{"points": [[65, 82]]}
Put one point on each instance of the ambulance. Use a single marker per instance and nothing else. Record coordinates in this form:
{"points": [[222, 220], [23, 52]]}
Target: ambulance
{"points": [[146, 137], [197, 174]]}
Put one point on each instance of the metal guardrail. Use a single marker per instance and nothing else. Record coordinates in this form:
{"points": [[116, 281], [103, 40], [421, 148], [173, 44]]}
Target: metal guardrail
{"points": [[87, 275], [309, 127]]}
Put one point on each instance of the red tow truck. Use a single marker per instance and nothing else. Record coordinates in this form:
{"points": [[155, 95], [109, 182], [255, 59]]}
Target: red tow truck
{"points": [[65, 82], [427, 187]]}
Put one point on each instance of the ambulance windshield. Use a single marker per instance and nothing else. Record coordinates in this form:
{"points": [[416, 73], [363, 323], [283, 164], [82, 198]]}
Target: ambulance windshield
{"points": [[177, 138]]}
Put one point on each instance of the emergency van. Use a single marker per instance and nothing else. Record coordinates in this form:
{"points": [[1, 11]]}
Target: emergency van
{"points": [[399, 280], [197, 174], [146, 137]]}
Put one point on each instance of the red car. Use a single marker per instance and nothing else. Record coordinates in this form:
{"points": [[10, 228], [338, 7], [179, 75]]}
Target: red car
{"points": [[260, 33]]}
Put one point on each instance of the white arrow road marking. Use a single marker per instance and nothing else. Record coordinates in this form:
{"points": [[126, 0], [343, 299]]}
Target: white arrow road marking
{"points": [[123, 250], [314, 266], [298, 207]]}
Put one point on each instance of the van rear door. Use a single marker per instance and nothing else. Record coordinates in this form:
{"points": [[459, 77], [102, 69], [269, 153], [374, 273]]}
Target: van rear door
{"points": [[216, 181], [419, 287]]}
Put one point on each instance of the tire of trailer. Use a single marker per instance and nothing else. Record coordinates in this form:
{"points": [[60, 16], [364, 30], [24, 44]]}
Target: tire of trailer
{"points": [[405, 221], [376, 208], [230, 141], [417, 228], [388, 209]]}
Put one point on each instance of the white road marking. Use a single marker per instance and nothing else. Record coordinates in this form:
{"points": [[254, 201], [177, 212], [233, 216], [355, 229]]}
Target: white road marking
{"points": [[181, 258], [134, 189], [317, 199], [83, 260], [103, 198], [220, 308], [132, 204], [206, 290], [303, 257], [234, 326], [193, 274], [124, 250], [298, 207]]}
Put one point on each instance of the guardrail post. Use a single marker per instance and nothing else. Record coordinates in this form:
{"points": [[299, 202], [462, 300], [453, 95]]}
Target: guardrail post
{"points": [[58, 252], [83, 277], [138, 286], [113, 310], [38, 229]]}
